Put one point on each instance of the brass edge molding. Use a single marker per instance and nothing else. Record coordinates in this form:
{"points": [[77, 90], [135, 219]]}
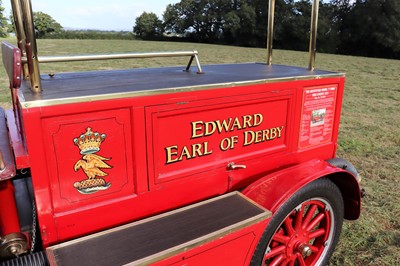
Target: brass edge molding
{"points": [[122, 95]]}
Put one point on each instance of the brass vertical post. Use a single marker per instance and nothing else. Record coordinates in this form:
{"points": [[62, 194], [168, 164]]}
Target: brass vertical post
{"points": [[30, 46], [20, 33], [270, 34], [313, 34]]}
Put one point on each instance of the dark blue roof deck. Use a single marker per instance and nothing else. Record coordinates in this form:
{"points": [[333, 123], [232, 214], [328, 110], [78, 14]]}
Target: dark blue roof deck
{"points": [[131, 81]]}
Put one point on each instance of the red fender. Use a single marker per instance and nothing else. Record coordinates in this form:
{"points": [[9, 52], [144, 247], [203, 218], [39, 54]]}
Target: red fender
{"points": [[272, 190]]}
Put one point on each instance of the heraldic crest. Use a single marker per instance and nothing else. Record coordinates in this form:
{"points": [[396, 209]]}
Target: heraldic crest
{"points": [[91, 163]]}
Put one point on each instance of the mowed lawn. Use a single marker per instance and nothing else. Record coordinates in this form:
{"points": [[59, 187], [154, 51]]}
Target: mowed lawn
{"points": [[369, 136]]}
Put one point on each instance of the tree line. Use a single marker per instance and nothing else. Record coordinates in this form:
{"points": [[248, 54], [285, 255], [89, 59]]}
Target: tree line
{"points": [[356, 27], [360, 27]]}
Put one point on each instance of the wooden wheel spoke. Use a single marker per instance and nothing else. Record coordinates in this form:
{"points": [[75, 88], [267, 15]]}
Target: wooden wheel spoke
{"points": [[309, 215], [300, 260], [315, 221], [317, 233], [288, 226], [281, 238], [299, 219], [277, 260], [274, 252], [314, 249]]}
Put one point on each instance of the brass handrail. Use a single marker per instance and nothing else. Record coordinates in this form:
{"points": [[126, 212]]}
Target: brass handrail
{"points": [[30, 45], [313, 32], [270, 35], [74, 58], [25, 31], [20, 33]]}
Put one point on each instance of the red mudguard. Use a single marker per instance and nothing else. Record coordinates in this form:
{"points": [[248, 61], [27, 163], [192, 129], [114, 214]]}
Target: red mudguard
{"points": [[274, 189]]}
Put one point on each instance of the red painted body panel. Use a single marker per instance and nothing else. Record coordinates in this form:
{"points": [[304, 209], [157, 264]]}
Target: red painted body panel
{"points": [[166, 151]]}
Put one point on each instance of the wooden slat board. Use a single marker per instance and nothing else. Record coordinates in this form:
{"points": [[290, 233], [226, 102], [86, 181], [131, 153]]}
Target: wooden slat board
{"points": [[147, 241]]}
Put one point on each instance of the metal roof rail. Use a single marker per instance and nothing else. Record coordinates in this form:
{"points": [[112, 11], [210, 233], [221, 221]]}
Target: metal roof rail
{"points": [[313, 32], [25, 32]]}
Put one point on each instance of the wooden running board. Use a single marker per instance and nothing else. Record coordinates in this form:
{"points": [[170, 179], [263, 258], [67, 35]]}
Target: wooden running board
{"points": [[159, 237]]}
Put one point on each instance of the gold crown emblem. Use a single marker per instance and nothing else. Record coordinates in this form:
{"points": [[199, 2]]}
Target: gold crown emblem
{"points": [[89, 142]]}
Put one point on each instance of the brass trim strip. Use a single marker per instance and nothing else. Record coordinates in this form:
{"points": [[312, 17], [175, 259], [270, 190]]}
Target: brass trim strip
{"points": [[110, 96], [2, 163]]}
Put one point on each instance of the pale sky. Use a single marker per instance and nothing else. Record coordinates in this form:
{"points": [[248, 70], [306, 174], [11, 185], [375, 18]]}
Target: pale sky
{"points": [[96, 14]]}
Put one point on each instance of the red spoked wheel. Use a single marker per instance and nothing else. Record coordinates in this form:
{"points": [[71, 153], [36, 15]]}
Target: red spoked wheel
{"points": [[305, 230]]}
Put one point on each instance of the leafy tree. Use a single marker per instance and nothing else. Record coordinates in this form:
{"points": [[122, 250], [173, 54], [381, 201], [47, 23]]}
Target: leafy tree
{"points": [[240, 25], [172, 23], [45, 25], [292, 24], [210, 21], [201, 20], [148, 26], [372, 28], [360, 27], [232, 26], [4, 26]]}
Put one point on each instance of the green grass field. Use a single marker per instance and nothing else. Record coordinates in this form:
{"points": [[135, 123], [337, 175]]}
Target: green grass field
{"points": [[369, 136]]}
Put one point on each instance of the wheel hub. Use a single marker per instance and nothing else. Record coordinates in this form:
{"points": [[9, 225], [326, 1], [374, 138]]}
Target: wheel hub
{"points": [[304, 249], [297, 244]]}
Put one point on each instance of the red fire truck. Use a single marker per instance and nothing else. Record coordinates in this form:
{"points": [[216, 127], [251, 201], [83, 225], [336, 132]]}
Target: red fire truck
{"points": [[217, 165]]}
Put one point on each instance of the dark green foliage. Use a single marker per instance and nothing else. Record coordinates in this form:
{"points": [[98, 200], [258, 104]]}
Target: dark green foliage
{"points": [[371, 28], [91, 35], [148, 26], [4, 26], [214, 21], [362, 27], [45, 25]]}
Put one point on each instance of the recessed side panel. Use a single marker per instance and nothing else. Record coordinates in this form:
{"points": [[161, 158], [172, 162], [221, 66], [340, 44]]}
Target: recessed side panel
{"points": [[189, 138], [91, 160]]}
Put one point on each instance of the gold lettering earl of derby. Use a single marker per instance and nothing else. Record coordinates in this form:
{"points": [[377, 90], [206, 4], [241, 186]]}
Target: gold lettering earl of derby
{"points": [[199, 129]]}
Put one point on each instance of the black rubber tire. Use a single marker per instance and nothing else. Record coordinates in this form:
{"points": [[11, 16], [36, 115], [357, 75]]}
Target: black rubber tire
{"points": [[343, 164], [322, 189]]}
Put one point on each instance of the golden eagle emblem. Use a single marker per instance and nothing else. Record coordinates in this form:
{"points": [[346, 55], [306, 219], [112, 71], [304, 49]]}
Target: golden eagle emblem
{"points": [[91, 163]]}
